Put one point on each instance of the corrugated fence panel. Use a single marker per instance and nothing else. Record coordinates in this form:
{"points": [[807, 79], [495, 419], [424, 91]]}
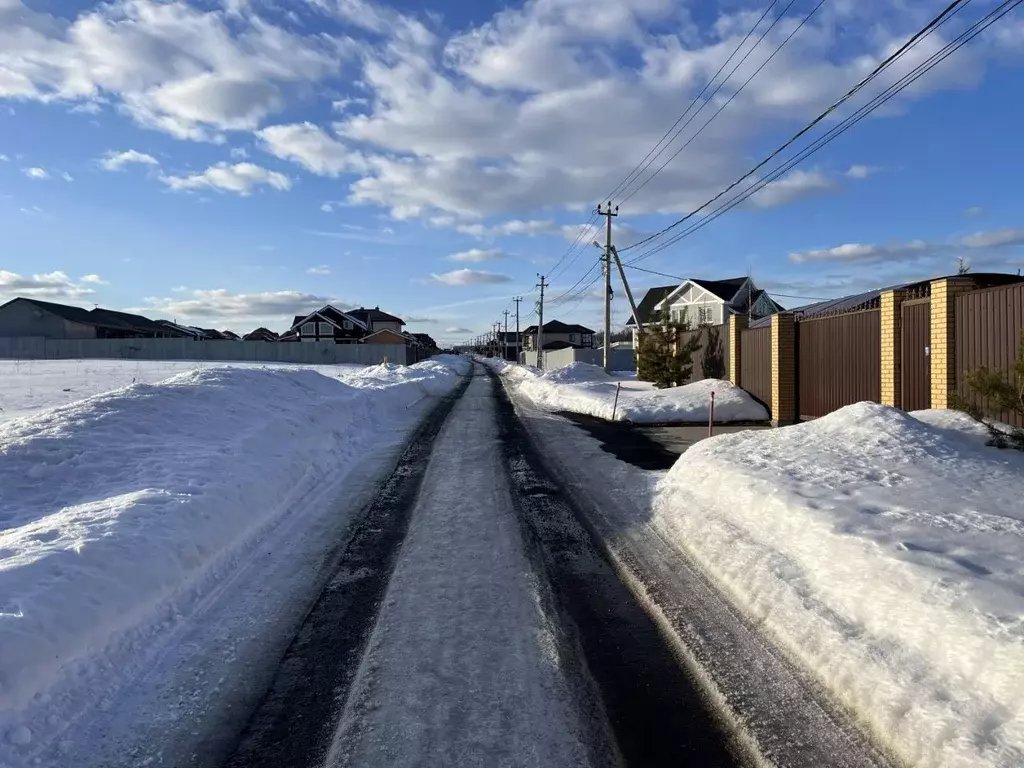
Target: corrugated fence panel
{"points": [[988, 332], [838, 362], [756, 363], [713, 362]]}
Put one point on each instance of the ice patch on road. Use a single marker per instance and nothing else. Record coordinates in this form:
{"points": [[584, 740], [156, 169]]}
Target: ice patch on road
{"points": [[887, 555]]}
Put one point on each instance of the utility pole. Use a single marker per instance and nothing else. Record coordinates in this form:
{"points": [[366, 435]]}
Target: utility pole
{"points": [[629, 293], [608, 213], [540, 325], [519, 340], [506, 335]]}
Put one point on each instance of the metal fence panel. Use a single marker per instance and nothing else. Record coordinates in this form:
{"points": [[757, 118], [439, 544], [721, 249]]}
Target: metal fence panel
{"points": [[756, 363], [915, 358], [716, 365], [988, 330], [839, 362]]}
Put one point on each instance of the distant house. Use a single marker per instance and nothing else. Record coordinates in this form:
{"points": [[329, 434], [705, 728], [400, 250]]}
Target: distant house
{"points": [[328, 324], [559, 335], [511, 342], [231, 335], [425, 340], [376, 319], [182, 330], [385, 336], [23, 316], [260, 334], [704, 302]]}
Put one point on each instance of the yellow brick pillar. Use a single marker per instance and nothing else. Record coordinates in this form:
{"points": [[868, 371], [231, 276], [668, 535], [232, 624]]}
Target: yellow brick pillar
{"points": [[784, 410], [943, 334], [737, 323], [892, 382]]}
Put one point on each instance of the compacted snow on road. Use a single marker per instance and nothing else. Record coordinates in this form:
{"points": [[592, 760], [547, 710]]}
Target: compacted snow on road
{"points": [[158, 541], [587, 389], [462, 667]]}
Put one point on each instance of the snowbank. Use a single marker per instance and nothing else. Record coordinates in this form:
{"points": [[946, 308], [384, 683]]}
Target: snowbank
{"points": [[120, 511], [585, 388], [887, 555]]}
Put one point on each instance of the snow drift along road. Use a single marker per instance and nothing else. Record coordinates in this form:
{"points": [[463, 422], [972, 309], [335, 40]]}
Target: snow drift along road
{"points": [[886, 555], [587, 389], [118, 512]]}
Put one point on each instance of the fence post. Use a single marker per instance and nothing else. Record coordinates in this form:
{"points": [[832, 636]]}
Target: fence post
{"points": [[737, 324], [784, 407], [891, 348], [943, 336]]}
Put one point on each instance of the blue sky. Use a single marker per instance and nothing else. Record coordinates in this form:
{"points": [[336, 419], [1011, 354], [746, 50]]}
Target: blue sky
{"points": [[234, 164]]}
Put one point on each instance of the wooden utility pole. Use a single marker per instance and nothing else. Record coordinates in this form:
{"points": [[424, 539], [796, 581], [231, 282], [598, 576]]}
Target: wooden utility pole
{"points": [[608, 213], [519, 340], [629, 293], [505, 338], [540, 325]]}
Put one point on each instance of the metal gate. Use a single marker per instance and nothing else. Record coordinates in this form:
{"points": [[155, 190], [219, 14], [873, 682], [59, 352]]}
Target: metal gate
{"points": [[838, 362], [915, 357], [756, 363]]}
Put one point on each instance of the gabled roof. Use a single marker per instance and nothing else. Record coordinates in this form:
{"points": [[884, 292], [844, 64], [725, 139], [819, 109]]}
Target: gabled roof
{"points": [[775, 306], [74, 314], [387, 331], [557, 326], [331, 314], [375, 314], [127, 321], [723, 289], [650, 300]]}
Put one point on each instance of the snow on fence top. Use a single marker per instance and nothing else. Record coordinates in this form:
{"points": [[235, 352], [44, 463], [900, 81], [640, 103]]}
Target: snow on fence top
{"points": [[884, 553]]}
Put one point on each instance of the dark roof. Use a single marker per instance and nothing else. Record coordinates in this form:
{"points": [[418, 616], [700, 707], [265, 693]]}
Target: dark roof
{"points": [[723, 289], [557, 326], [127, 321], [756, 296], [650, 300], [375, 314], [74, 314], [333, 314]]}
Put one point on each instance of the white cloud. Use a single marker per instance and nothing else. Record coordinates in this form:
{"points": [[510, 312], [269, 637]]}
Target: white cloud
{"points": [[86, 108], [31, 211], [239, 153], [309, 146], [476, 255], [323, 269], [222, 304], [4, 158], [529, 228], [327, 207], [241, 178], [470, 277], [115, 161], [51, 286], [171, 66], [860, 171], [456, 329], [866, 254], [93, 279], [997, 238], [794, 186], [67, 176], [36, 173]]}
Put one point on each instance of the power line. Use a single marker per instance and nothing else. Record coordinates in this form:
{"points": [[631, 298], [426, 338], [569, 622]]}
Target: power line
{"points": [[924, 31], [735, 93], [580, 238], [880, 99], [640, 167], [681, 279], [567, 293]]}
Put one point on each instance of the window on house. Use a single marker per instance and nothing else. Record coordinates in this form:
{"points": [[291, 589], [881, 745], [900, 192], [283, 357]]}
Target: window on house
{"points": [[346, 325], [705, 315], [308, 329], [326, 329], [572, 338]]}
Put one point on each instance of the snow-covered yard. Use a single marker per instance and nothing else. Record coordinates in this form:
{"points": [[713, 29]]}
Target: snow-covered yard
{"points": [[587, 389], [885, 553], [123, 512], [28, 386]]}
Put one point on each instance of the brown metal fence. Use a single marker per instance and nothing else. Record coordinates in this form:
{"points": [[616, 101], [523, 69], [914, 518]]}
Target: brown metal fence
{"points": [[915, 358], [756, 363], [715, 365], [988, 332], [838, 362]]}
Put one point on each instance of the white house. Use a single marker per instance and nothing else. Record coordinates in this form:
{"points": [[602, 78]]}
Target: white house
{"points": [[705, 302]]}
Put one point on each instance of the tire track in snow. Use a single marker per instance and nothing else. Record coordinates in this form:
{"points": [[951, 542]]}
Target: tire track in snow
{"points": [[295, 722], [657, 710]]}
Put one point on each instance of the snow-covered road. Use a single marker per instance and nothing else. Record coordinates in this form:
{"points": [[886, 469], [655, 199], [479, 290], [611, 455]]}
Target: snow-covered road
{"points": [[462, 667]]}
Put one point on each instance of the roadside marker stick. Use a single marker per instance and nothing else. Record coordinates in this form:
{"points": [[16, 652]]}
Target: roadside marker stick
{"points": [[615, 405], [711, 416]]}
